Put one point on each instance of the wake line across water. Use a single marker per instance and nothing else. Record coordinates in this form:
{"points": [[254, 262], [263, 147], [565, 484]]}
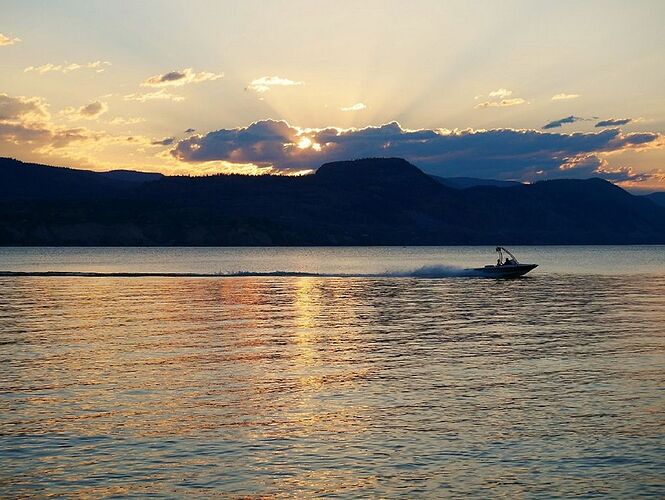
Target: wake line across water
{"points": [[421, 272], [440, 271]]}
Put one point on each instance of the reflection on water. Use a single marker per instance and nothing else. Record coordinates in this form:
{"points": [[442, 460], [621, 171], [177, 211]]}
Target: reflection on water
{"points": [[311, 386]]}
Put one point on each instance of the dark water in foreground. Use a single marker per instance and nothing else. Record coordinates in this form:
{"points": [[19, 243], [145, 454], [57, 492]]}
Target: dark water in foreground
{"points": [[552, 385]]}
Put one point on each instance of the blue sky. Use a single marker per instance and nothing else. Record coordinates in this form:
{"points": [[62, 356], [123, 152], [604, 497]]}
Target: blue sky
{"points": [[176, 86]]}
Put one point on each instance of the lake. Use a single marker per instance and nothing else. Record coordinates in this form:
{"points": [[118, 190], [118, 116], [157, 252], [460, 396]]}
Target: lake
{"points": [[365, 377]]}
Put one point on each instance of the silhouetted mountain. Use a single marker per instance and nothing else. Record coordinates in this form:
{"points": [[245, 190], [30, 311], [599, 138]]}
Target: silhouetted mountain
{"points": [[362, 202], [131, 175], [469, 182], [22, 181], [573, 211], [658, 198]]}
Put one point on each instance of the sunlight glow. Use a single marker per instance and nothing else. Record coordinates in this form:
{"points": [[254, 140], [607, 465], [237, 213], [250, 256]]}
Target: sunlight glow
{"points": [[304, 143]]}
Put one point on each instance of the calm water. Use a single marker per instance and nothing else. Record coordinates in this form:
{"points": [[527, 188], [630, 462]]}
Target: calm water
{"points": [[389, 385]]}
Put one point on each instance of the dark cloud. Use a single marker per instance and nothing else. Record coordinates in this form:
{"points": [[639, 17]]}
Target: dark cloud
{"points": [[614, 122], [562, 121], [93, 109], [88, 112], [178, 78], [167, 141], [190, 131], [499, 153], [169, 77]]}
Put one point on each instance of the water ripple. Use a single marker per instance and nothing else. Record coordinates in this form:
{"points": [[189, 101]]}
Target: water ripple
{"points": [[310, 386]]}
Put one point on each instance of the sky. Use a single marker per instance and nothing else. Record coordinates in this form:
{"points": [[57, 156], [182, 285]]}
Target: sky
{"points": [[517, 90]]}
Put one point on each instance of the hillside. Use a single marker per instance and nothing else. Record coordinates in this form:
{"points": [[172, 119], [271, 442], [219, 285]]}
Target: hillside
{"points": [[362, 202]]}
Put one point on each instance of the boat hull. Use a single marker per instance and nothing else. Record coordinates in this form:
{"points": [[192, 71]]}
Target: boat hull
{"points": [[507, 271]]}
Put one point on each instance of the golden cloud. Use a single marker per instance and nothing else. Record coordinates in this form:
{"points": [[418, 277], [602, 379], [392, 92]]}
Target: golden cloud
{"points": [[5, 40], [98, 66], [265, 83]]}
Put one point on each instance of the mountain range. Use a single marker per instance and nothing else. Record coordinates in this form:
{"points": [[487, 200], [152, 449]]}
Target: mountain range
{"points": [[375, 201]]}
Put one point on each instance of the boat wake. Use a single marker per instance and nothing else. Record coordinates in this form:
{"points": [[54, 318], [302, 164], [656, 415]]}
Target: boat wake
{"points": [[440, 271], [421, 272]]}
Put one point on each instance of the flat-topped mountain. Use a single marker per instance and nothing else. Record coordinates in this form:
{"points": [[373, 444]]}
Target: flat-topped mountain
{"points": [[378, 201]]}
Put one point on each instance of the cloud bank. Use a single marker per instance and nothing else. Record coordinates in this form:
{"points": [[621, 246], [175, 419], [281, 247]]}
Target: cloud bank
{"points": [[28, 131], [526, 155]]}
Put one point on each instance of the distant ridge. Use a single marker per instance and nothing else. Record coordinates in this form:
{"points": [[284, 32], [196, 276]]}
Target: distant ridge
{"points": [[469, 182], [374, 201], [131, 175], [658, 198]]}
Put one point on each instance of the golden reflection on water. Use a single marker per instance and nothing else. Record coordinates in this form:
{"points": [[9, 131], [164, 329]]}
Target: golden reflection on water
{"points": [[307, 386], [307, 308]]}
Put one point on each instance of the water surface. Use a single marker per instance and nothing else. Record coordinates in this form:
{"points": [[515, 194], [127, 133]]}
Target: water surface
{"points": [[390, 386]]}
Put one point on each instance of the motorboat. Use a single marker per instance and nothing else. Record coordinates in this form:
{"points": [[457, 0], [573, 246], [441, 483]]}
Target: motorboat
{"points": [[506, 266]]}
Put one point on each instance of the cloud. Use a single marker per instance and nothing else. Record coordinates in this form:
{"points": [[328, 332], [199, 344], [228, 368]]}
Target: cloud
{"points": [[178, 78], [563, 121], [501, 93], [190, 131], [161, 94], [614, 122], [98, 66], [359, 106], [22, 109], [503, 103], [564, 97], [28, 131], [26, 122], [90, 111], [595, 165], [167, 141], [265, 83], [5, 40], [499, 98], [526, 155]]}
